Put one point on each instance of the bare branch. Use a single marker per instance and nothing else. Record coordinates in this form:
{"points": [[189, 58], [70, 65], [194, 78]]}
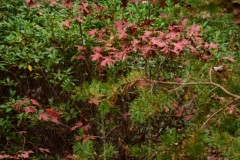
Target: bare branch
{"points": [[198, 83]]}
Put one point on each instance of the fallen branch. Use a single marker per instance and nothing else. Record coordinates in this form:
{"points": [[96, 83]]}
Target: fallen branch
{"points": [[237, 97], [198, 83]]}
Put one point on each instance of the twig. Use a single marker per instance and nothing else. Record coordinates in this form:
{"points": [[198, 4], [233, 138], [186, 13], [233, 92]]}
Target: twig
{"points": [[210, 75], [199, 83], [218, 111]]}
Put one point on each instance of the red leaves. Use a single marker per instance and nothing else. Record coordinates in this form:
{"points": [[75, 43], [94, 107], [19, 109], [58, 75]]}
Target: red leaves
{"points": [[211, 45], [96, 56], [27, 105], [122, 34], [49, 115], [20, 155], [92, 32], [68, 3], [84, 138], [80, 20], [81, 56], [67, 23], [5, 156], [173, 35], [87, 138], [204, 58], [184, 22], [147, 22], [32, 4], [97, 49], [70, 156], [97, 53], [102, 60], [23, 102], [145, 51], [122, 27], [44, 150], [194, 29], [25, 154], [146, 35], [77, 125], [80, 48], [84, 8], [52, 112], [43, 116], [107, 61], [135, 43], [98, 7], [180, 45], [119, 55], [29, 109], [53, 2], [87, 127], [94, 101], [157, 41], [34, 102], [129, 38]]}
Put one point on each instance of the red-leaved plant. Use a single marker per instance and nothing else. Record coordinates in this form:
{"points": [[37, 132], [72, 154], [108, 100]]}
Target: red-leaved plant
{"points": [[123, 39]]}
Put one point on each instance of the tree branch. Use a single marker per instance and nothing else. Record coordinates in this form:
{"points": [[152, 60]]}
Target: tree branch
{"points": [[198, 83]]}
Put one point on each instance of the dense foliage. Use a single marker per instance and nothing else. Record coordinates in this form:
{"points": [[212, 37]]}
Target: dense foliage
{"points": [[118, 79]]}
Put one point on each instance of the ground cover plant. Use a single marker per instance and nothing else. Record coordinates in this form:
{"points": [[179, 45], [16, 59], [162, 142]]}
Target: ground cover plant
{"points": [[116, 79]]}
